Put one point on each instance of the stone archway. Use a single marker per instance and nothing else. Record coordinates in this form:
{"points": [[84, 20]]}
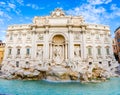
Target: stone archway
{"points": [[58, 49]]}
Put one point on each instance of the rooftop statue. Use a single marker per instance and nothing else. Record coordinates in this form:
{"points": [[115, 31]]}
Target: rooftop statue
{"points": [[58, 13]]}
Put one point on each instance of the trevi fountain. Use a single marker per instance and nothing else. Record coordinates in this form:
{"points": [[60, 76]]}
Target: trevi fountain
{"points": [[59, 47]]}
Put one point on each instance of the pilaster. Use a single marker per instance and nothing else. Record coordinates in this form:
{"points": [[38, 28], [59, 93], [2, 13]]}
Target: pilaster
{"points": [[46, 44], [103, 52], [83, 51], [33, 47], [94, 49], [71, 45]]}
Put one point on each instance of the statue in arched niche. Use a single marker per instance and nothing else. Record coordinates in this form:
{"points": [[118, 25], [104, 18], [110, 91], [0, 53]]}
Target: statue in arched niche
{"points": [[77, 52], [40, 52], [57, 54]]}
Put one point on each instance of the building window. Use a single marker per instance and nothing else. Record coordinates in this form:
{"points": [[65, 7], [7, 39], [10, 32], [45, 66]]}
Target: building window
{"points": [[100, 62], [107, 51], [28, 37], [89, 50], [18, 51], [11, 37], [118, 40], [106, 39], [90, 63], [27, 62], [109, 63], [9, 51], [27, 51], [97, 36], [99, 51], [17, 63]]}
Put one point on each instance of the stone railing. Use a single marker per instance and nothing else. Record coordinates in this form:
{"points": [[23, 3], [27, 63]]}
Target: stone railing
{"points": [[18, 56], [27, 56], [9, 56], [24, 26]]}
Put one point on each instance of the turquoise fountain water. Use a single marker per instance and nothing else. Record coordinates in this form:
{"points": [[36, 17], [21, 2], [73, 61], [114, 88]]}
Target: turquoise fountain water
{"points": [[23, 87]]}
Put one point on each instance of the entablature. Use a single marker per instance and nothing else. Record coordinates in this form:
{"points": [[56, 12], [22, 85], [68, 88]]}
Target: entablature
{"points": [[19, 27]]}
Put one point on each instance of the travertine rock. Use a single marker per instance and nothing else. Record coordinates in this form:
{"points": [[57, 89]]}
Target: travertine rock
{"points": [[85, 73]]}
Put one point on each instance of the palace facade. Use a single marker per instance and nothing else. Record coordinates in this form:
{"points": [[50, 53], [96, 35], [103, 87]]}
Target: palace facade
{"points": [[58, 39], [2, 47], [116, 44]]}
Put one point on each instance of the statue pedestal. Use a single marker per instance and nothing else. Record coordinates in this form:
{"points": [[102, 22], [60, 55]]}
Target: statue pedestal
{"points": [[58, 60]]}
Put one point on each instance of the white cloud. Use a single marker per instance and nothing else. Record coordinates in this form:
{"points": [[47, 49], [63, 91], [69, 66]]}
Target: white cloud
{"points": [[1, 21], [107, 1], [12, 6], [90, 12], [28, 18], [1, 13], [115, 10], [3, 31], [28, 5], [2, 3], [98, 2], [58, 3], [2, 34], [33, 6], [113, 7], [8, 17], [18, 11], [2, 38], [21, 2]]}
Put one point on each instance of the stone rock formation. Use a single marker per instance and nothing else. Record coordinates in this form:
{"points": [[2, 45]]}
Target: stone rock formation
{"points": [[55, 72]]}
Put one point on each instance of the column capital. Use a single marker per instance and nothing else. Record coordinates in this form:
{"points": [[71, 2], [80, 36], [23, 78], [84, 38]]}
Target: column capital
{"points": [[46, 31], [33, 31], [83, 32], [70, 31]]}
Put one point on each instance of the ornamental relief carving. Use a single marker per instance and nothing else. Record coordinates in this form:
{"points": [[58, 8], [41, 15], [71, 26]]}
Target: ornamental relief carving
{"points": [[40, 37], [77, 21], [88, 36], [39, 21], [28, 37], [77, 36], [40, 52]]}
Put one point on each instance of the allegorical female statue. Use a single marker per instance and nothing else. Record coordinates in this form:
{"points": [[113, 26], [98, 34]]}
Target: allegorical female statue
{"points": [[57, 54]]}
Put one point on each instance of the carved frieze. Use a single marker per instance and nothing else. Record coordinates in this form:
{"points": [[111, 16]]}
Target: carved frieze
{"points": [[77, 36], [40, 37], [39, 20]]}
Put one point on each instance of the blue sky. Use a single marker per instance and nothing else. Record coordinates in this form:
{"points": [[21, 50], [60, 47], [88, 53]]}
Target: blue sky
{"points": [[94, 11]]}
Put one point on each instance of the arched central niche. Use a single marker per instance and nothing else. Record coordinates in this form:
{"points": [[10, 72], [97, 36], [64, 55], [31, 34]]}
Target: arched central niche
{"points": [[58, 48], [58, 40]]}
